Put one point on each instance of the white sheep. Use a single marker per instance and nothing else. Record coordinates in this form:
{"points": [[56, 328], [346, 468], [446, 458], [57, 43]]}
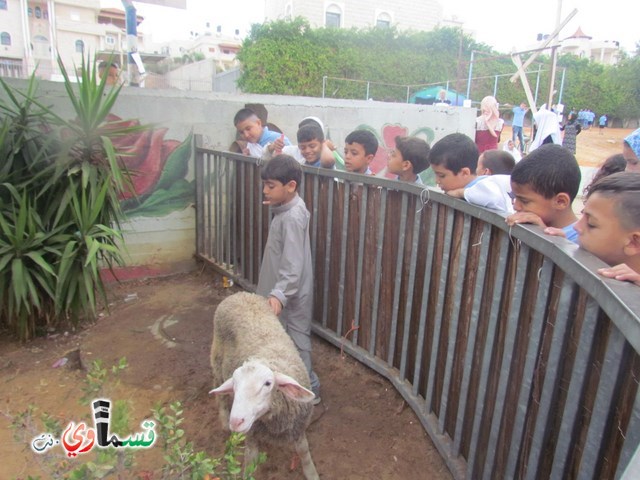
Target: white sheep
{"points": [[253, 357]]}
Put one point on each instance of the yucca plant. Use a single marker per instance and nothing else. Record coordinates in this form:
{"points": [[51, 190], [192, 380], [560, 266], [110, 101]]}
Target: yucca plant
{"points": [[60, 180]]}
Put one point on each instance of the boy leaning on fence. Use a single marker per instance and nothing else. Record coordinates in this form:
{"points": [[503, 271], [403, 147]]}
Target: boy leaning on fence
{"points": [[259, 138], [286, 273], [610, 225], [544, 185]]}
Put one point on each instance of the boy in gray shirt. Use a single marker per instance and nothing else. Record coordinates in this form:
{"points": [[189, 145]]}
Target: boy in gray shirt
{"points": [[286, 273]]}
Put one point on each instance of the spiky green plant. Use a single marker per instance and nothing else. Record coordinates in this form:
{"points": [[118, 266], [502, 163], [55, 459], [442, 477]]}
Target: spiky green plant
{"points": [[60, 180]]}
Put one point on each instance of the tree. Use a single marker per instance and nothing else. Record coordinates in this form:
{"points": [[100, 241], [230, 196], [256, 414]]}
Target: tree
{"points": [[291, 58]]}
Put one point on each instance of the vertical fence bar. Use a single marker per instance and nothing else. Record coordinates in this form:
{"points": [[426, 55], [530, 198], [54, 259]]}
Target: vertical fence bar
{"points": [[425, 301], [343, 256], [550, 379], [472, 337], [537, 323], [494, 315], [611, 369], [409, 305], [361, 240], [233, 212], [210, 213], [507, 356], [327, 257], [314, 217], [453, 325], [250, 226], [631, 448], [243, 233], [398, 279], [378, 269], [435, 341], [226, 217], [571, 414], [199, 180], [218, 206]]}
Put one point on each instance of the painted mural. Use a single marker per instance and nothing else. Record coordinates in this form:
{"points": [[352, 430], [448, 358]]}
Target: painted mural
{"points": [[158, 169], [387, 141]]}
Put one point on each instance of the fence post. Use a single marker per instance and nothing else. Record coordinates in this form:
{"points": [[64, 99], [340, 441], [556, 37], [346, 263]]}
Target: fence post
{"points": [[324, 84], [470, 73]]}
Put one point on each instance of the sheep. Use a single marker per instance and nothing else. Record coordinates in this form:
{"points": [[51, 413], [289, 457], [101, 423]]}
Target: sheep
{"points": [[253, 358]]}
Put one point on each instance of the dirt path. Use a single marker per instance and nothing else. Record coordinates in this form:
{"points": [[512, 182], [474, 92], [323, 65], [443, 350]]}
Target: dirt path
{"points": [[593, 146], [362, 430]]}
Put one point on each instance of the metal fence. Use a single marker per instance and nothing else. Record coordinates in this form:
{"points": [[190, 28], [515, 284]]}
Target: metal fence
{"points": [[519, 361]]}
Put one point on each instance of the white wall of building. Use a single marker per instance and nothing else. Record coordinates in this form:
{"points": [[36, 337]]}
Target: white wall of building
{"points": [[417, 15]]}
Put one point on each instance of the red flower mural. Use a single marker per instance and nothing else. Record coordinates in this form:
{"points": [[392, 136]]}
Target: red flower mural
{"points": [[389, 134], [144, 154]]}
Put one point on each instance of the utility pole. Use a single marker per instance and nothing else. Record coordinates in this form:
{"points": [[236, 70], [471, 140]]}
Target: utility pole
{"points": [[135, 69], [554, 56]]}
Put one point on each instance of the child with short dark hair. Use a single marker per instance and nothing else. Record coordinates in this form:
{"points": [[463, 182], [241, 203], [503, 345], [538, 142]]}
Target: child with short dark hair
{"points": [[610, 225], [409, 158], [544, 185], [495, 162], [454, 160], [310, 144], [313, 149], [286, 273], [257, 135], [359, 149]]}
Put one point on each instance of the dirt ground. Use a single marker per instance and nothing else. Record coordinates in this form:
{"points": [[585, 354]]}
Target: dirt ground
{"points": [[593, 146], [362, 429]]}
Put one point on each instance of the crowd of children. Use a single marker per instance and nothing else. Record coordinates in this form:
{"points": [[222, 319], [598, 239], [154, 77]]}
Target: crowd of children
{"points": [[539, 189]]}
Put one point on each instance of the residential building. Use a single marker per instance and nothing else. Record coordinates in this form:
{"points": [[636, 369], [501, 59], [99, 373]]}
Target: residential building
{"points": [[419, 15], [584, 46], [33, 33]]}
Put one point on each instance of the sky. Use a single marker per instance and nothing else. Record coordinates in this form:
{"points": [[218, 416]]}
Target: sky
{"points": [[503, 24]]}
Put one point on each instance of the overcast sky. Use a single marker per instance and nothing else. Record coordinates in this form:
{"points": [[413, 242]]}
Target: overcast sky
{"points": [[502, 24]]}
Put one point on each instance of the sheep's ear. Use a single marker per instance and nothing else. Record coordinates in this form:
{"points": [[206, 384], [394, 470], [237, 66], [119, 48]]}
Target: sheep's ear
{"points": [[225, 388], [293, 389]]}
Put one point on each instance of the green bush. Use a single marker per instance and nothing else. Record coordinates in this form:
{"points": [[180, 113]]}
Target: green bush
{"points": [[59, 209]]}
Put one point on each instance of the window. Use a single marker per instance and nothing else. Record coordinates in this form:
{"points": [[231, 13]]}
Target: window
{"points": [[30, 11], [5, 38], [333, 16], [383, 20], [38, 12], [3, 4], [219, 29], [79, 46], [110, 40]]}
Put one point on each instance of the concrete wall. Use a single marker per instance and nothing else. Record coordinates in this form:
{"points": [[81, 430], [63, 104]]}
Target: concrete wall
{"points": [[162, 240]]}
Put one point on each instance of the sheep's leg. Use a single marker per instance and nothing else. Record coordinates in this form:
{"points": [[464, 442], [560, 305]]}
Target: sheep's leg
{"points": [[308, 468], [250, 453]]}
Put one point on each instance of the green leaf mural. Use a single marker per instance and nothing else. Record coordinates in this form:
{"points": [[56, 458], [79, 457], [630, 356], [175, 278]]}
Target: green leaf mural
{"points": [[159, 179]]}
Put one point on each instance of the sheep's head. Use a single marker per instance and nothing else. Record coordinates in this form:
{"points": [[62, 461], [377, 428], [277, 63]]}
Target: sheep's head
{"points": [[252, 385]]}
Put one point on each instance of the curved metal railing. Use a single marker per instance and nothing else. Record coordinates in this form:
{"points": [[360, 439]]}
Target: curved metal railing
{"points": [[518, 359]]}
